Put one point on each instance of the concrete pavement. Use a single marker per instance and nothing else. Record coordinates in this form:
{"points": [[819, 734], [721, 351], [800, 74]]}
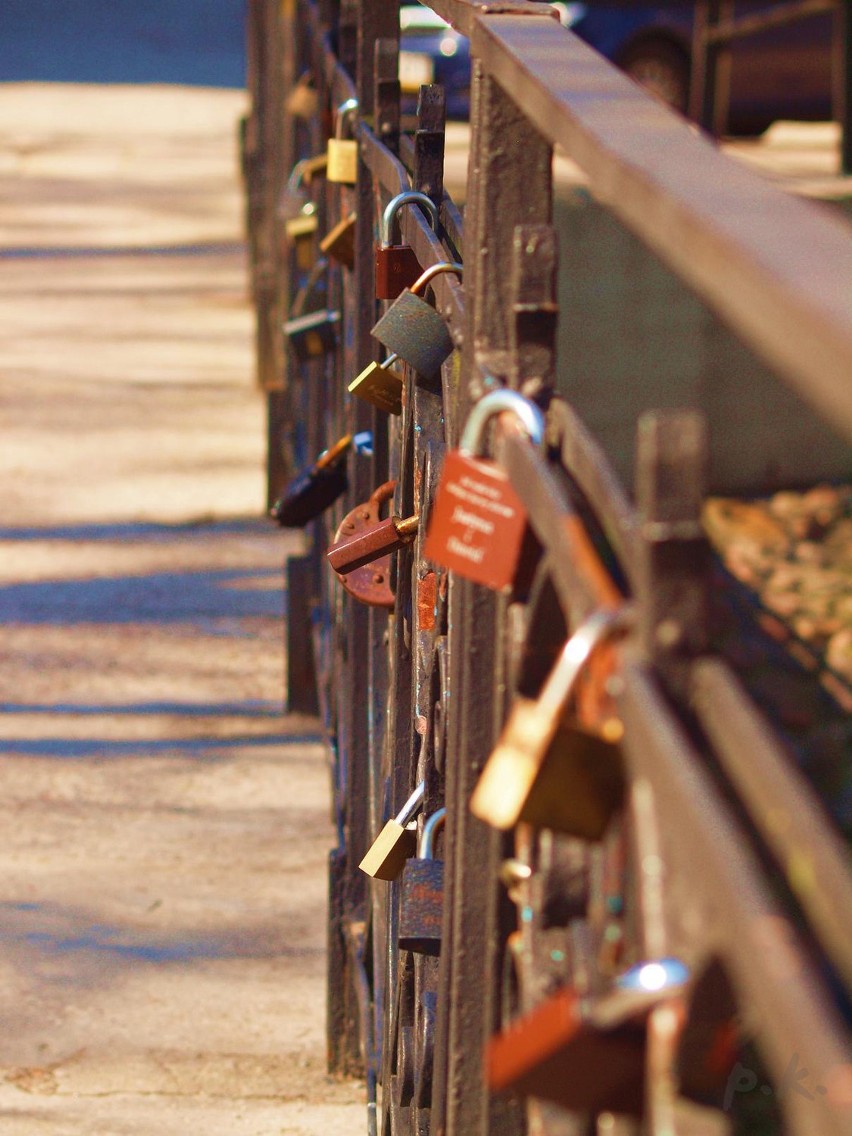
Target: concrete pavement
{"points": [[163, 827]]}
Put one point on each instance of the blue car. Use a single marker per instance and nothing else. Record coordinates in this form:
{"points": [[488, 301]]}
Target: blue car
{"points": [[783, 73]]}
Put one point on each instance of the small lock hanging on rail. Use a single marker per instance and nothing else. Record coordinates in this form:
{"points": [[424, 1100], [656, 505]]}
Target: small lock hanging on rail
{"points": [[477, 523], [396, 265], [603, 1039], [380, 386], [414, 330], [312, 335], [294, 199], [339, 242], [302, 100], [360, 548], [386, 856], [343, 152], [313, 490], [369, 584], [421, 906], [549, 774], [300, 232]]}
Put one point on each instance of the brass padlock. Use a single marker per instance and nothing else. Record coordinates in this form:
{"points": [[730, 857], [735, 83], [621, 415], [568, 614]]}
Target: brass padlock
{"points": [[396, 265], [303, 99], [386, 856], [343, 152], [300, 231], [477, 523], [339, 241], [414, 330], [312, 335], [380, 386], [570, 781]]}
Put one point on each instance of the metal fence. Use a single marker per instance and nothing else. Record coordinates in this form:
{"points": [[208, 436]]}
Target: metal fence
{"points": [[650, 930]]}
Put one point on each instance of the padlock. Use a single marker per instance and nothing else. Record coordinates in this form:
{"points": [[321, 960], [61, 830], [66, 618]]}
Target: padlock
{"points": [[312, 335], [396, 265], [414, 330], [343, 152], [300, 231], [587, 1055], [303, 99], [477, 523], [314, 489], [294, 199], [379, 385], [422, 902], [369, 584], [544, 773], [386, 856], [339, 241], [351, 552]]}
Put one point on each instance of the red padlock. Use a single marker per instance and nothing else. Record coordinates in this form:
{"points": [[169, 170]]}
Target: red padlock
{"points": [[396, 265], [477, 523]]}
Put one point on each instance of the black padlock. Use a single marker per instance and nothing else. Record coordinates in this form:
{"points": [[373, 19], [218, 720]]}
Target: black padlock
{"points": [[414, 330], [314, 489], [422, 902]]}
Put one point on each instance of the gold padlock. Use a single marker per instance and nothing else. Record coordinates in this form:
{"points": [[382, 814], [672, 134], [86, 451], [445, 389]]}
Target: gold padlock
{"points": [[379, 385], [339, 241], [553, 776], [386, 856], [300, 232], [303, 98], [343, 152]]}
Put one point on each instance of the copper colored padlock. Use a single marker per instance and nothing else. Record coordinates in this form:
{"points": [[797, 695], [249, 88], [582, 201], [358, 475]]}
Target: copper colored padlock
{"points": [[371, 582], [396, 265], [339, 242], [477, 523]]}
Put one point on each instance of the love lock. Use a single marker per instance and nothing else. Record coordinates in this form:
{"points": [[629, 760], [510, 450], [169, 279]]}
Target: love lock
{"points": [[414, 330], [421, 909], [360, 555], [339, 242], [396, 265], [313, 490], [343, 152]]}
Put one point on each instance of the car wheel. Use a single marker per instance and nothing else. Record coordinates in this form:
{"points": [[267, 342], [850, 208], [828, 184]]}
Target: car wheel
{"points": [[661, 68]]}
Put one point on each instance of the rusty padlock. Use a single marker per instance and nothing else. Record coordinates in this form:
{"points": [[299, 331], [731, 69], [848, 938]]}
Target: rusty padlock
{"points": [[422, 901], [343, 152], [353, 549], [380, 386], [544, 772], [312, 335], [339, 241], [477, 523], [396, 265], [386, 856], [369, 584], [313, 490], [414, 329], [587, 1055]]}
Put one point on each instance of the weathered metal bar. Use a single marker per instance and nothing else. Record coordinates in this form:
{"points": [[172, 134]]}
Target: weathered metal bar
{"points": [[781, 804], [741, 26], [777, 270], [708, 864]]}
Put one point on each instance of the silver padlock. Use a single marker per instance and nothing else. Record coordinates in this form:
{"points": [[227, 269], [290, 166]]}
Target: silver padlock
{"points": [[396, 265], [414, 330], [343, 152]]}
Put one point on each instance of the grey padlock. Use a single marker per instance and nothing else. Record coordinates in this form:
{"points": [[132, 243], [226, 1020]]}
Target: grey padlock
{"points": [[422, 901], [414, 330]]}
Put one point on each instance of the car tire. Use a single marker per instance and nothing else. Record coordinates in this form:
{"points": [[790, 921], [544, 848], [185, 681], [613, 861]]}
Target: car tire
{"points": [[662, 68]]}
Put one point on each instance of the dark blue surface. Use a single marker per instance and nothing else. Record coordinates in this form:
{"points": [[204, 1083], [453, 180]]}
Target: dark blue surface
{"points": [[193, 42]]}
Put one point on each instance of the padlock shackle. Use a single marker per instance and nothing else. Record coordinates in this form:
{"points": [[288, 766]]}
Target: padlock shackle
{"points": [[427, 838], [303, 166], [341, 114], [412, 805], [496, 402], [435, 270], [407, 197], [329, 457], [594, 629]]}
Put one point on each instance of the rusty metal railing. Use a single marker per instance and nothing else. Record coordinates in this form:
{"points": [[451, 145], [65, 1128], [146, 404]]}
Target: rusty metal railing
{"points": [[710, 859]]}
